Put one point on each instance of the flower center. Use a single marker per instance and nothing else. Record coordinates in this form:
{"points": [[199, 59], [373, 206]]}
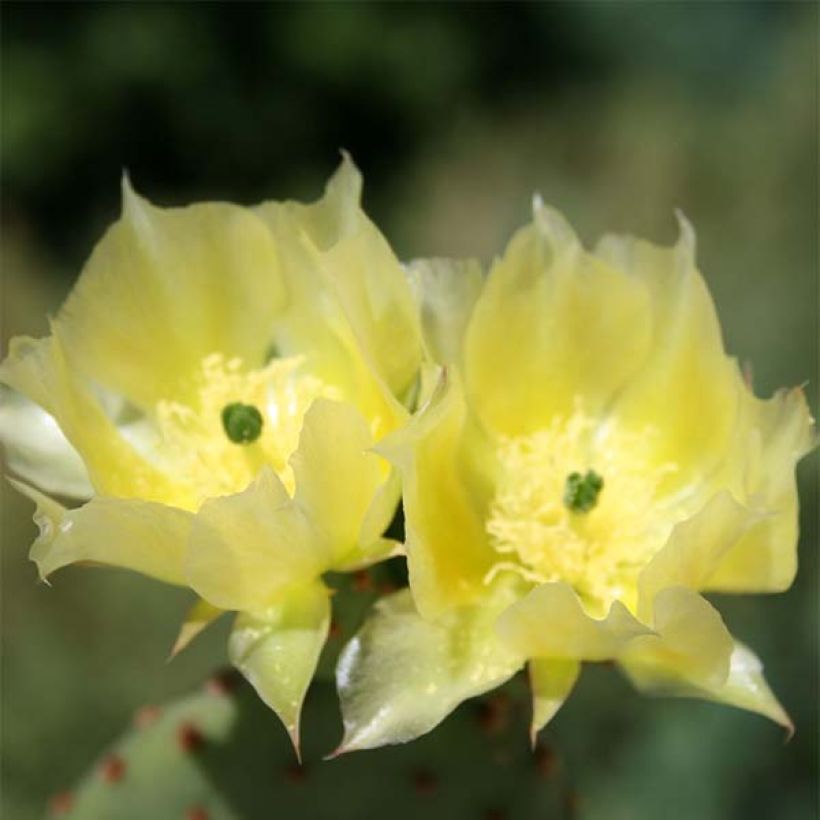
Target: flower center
{"points": [[581, 491], [234, 422], [580, 502], [242, 422]]}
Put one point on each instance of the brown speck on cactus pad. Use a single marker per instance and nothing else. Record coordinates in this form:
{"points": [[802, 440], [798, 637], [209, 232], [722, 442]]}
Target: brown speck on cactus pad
{"points": [[112, 769], [545, 761], [145, 716], [61, 803], [222, 684], [296, 772], [425, 782], [189, 738]]}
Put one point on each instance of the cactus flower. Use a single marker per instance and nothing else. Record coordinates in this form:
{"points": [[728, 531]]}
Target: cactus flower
{"points": [[215, 382], [589, 465]]}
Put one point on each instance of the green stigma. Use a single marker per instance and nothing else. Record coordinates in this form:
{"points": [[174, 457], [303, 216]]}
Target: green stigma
{"points": [[581, 491], [242, 422]]}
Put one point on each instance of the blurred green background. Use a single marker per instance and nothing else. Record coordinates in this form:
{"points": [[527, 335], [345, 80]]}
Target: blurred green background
{"points": [[617, 113]]}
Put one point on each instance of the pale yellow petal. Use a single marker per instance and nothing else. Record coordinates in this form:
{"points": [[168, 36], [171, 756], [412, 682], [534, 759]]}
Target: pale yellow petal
{"points": [[365, 314], [246, 548], [369, 281], [445, 291], [338, 477], [39, 369], [448, 551], [402, 675], [314, 325], [765, 558], [694, 550], [198, 618], [746, 688], [553, 326], [687, 396], [430, 374], [37, 450], [277, 650], [378, 517], [744, 685], [365, 556], [550, 622], [372, 546], [166, 287], [139, 535], [551, 680], [690, 642]]}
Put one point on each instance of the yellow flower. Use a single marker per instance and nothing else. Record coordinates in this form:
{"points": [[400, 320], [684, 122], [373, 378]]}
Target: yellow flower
{"points": [[590, 463], [223, 374]]}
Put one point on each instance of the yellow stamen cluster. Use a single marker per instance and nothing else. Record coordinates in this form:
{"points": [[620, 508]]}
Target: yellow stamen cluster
{"points": [[193, 436], [599, 550]]}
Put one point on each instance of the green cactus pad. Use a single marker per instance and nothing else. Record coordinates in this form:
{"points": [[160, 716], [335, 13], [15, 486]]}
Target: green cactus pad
{"points": [[219, 754]]}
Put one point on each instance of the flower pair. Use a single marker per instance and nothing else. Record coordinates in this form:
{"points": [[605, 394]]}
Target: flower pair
{"points": [[250, 391]]}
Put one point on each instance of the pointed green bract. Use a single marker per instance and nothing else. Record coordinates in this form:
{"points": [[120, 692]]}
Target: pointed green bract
{"points": [[402, 675], [277, 650], [552, 681], [198, 618]]}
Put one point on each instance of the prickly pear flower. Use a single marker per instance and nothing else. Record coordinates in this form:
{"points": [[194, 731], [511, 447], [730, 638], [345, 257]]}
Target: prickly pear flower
{"points": [[589, 465], [219, 376]]}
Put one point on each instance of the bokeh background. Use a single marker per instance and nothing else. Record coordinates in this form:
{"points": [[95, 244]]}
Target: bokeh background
{"points": [[617, 113]]}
